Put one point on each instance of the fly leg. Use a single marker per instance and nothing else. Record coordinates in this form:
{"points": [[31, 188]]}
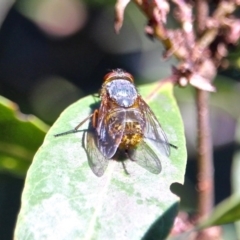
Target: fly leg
{"points": [[94, 116], [126, 151], [173, 146], [125, 169], [123, 163]]}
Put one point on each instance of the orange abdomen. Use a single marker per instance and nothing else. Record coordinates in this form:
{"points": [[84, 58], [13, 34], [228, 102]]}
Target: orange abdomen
{"points": [[132, 135]]}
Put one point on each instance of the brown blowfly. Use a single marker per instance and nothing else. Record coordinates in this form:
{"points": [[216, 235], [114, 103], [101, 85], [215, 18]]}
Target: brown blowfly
{"points": [[124, 122]]}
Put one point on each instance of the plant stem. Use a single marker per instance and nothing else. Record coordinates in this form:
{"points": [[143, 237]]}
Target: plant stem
{"points": [[205, 179]]}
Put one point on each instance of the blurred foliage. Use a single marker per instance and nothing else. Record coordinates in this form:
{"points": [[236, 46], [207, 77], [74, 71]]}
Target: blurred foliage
{"points": [[227, 211], [21, 136], [58, 18], [235, 177]]}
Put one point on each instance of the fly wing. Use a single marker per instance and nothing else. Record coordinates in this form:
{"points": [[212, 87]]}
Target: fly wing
{"points": [[144, 156], [97, 162], [153, 130], [110, 133]]}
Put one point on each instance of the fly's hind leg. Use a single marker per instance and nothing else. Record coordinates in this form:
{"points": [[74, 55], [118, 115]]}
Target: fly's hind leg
{"points": [[126, 151]]}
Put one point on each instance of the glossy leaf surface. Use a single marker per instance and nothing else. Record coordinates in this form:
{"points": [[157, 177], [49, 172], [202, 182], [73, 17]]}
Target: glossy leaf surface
{"points": [[63, 199]]}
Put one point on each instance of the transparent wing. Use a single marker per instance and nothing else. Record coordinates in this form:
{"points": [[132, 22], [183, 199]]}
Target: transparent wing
{"points": [[110, 133], [144, 156], [153, 130], [97, 162]]}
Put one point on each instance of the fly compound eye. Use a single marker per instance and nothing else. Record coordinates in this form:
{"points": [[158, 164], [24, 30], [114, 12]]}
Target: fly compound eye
{"points": [[129, 77], [108, 76], [118, 74]]}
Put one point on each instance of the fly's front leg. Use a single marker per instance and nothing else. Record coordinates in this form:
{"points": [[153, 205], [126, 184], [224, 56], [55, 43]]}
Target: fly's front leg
{"points": [[82, 122], [95, 118], [77, 127]]}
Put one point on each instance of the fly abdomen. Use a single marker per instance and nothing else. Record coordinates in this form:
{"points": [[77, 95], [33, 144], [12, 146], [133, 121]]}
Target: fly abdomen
{"points": [[132, 135]]}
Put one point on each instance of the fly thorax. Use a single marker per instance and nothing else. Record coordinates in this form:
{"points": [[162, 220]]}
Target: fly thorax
{"points": [[122, 92]]}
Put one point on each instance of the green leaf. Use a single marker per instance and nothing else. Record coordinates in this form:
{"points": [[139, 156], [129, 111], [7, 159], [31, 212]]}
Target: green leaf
{"points": [[226, 212], [63, 199], [21, 136], [236, 174]]}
